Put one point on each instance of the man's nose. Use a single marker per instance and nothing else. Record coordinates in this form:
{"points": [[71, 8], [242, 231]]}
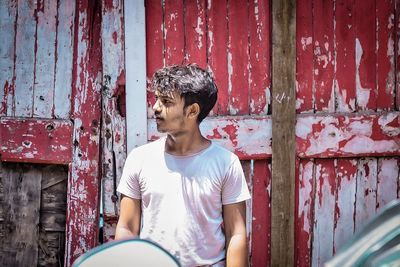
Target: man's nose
{"points": [[156, 106]]}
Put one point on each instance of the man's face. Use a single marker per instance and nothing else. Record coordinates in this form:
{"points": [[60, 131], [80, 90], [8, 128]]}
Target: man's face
{"points": [[169, 112]]}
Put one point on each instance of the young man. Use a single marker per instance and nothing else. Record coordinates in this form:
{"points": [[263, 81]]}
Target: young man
{"points": [[183, 191]]}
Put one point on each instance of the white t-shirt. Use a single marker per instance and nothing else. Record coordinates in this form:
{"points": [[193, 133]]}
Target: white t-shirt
{"points": [[182, 198]]}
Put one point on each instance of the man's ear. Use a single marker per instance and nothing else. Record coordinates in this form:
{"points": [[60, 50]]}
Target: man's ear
{"points": [[193, 111]]}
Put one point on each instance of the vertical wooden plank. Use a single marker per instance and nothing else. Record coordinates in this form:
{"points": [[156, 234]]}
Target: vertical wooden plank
{"points": [[238, 57], [135, 50], [346, 172], [345, 74], [195, 32], [260, 56], [154, 44], [113, 130], [43, 95], [83, 180], [25, 58], [388, 172], [323, 56], [304, 56], [248, 173], [217, 36], [324, 212], [385, 66], [397, 53], [21, 215], [365, 22], [366, 191], [52, 215], [63, 72], [261, 224], [305, 180], [8, 15], [283, 129], [174, 32]]}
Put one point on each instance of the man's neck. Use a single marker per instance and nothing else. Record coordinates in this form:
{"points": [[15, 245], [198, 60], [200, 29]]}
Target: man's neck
{"points": [[187, 143]]}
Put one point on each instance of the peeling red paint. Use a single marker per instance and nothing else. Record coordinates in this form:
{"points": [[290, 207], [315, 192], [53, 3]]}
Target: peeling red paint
{"points": [[215, 135], [36, 140], [115, 36]]}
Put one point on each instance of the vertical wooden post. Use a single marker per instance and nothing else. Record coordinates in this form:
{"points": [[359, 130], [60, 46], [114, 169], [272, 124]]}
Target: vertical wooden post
{"points": [[283, 132]]}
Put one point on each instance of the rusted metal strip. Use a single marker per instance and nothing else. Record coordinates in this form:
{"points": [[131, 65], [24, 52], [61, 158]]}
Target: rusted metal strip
{"points": [[36, 140], [248, 137], [348, 135]]}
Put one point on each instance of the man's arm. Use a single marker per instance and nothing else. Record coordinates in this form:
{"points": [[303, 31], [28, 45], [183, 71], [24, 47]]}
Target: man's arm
{"points": [[235, 233], [128, 225]]}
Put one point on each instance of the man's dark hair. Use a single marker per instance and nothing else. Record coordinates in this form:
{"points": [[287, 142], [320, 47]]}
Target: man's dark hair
{"points": [[194, 84]]}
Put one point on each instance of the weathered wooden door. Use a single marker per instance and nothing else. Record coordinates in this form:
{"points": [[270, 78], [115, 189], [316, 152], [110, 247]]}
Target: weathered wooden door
{"points": [[50, 75], [348, 126]]}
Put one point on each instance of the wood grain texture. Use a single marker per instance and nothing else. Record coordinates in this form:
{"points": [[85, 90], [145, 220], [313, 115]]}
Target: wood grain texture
{"points": [[195, 32], [238, 58], [387, 184], [261, 214], [323, 28], [283, 128], [45, 58], [8, 14], [20, 223], [385, 45], [305, 192], [155, 45], [345, 64], [83, 180], [113, 131], [324, 211], [53, 205], [217, 36], [25, 41], [63, 64], [259, 57], [346, 174], [366, 191], [174, 32], [304, 57], [365, 25]]}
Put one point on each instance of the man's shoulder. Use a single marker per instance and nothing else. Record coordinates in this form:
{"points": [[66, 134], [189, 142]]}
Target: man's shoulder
{"points": [[148, 149], [220, 152]]}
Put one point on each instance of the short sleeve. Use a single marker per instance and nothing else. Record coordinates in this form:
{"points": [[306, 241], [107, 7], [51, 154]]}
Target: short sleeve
{"points": [[129, 184], [234, 188]]}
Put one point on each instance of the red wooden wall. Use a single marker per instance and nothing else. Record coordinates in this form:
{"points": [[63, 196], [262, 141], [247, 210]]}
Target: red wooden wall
{"points": [[347, 131]]}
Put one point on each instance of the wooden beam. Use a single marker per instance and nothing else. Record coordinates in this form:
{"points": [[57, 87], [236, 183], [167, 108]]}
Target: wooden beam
{"points": [[45, 141], [283, 132], [135, 52], [354, 135]]}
